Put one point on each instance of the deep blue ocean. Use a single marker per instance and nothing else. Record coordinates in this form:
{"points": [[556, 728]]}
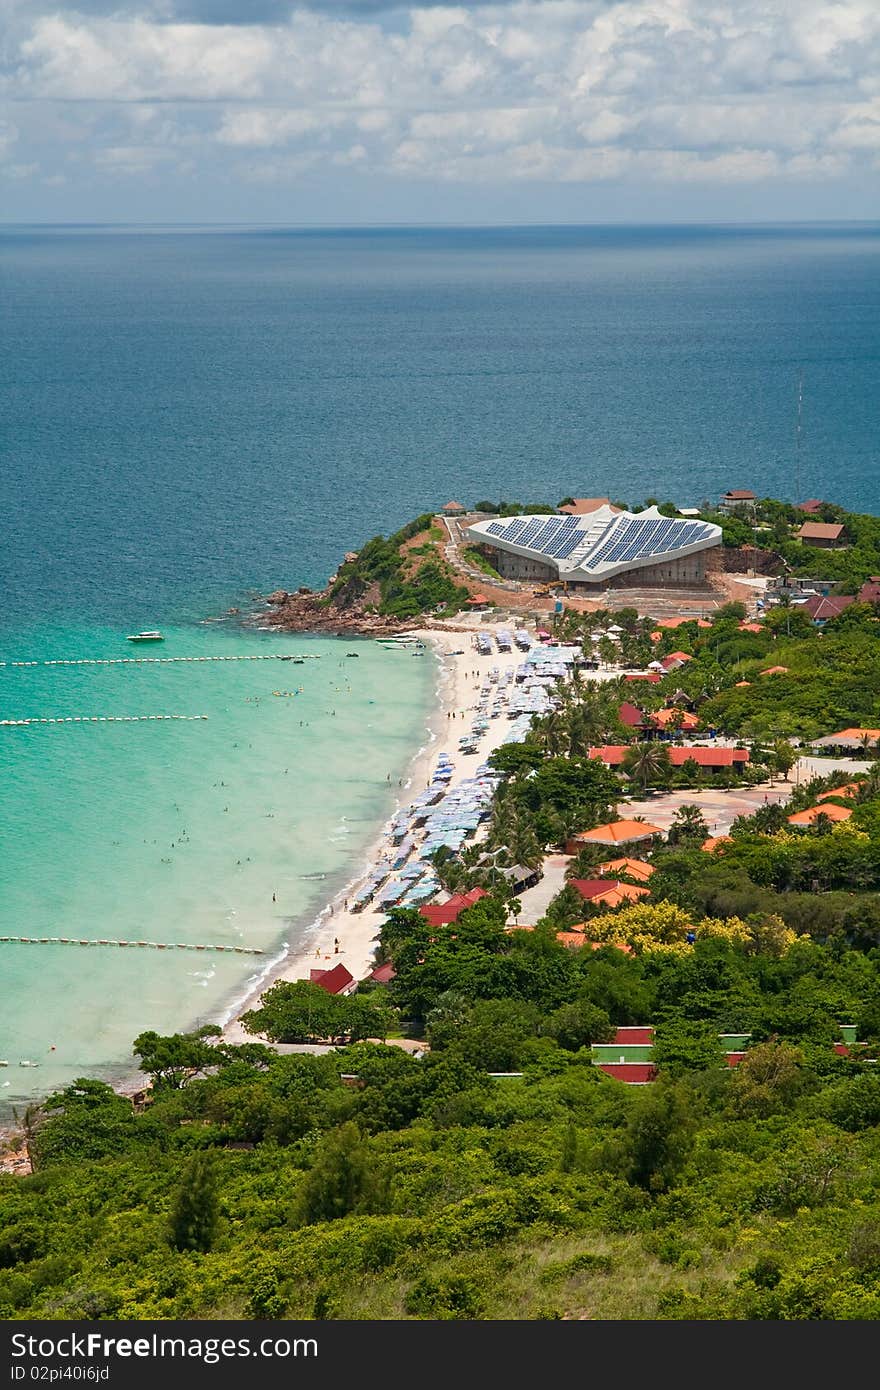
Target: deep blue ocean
{"points": [[187, 415]]}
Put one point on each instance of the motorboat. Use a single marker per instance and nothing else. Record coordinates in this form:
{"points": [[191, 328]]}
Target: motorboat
{"points": [[145, 637]]}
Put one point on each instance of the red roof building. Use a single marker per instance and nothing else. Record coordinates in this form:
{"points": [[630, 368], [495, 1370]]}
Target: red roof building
{"points": [[870, 590], [631, 715], [821, 608], [634, 1035], [613, 754], [634, 1073], [674, 660], [822, 534], [444, 914], [812, 506], [383, 974], [606, 892], [653, 676], [335, 981]]}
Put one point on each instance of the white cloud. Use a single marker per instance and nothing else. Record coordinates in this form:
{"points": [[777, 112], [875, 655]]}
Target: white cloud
{"points": [[679, 91]]}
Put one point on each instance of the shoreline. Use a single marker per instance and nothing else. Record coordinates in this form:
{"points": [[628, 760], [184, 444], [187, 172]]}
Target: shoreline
{"points": [[357, 932]]}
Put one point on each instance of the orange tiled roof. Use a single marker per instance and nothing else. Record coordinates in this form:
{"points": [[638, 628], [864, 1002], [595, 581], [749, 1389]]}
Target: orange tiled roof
{"points": [[711, 845], [775, 671], [828, 808], [851, 789], [678, 718], [636, 868], [618, 832]]}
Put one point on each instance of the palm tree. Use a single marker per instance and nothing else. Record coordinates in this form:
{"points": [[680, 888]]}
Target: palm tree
{"points": [[646, 762]]}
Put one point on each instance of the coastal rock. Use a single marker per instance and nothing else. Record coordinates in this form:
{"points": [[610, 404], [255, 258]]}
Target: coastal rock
{"points": [[279, 596]]}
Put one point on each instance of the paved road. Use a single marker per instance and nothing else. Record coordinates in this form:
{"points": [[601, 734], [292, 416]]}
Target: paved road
{"points": [[535, 901]]}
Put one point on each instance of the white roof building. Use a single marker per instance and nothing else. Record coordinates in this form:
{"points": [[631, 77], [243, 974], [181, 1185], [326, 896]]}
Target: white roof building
{"points": [[595, 548]]}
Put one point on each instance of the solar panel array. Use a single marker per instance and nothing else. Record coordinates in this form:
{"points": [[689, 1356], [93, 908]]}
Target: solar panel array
{"points": [[638, 540], [620, 541]]}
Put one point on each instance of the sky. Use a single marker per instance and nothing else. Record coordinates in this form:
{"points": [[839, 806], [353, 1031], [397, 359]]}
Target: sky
{"points": [[355, 111]]}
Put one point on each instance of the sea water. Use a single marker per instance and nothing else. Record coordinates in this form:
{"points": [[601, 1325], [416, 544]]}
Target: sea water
{"points": [[233, 829], [193, 414]]}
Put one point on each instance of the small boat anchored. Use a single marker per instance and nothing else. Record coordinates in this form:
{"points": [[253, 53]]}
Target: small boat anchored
{"points": [[145, 637]]}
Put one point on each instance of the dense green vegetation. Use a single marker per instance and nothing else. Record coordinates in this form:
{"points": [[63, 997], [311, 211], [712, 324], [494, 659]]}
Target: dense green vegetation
{"points": [[366, 1184], [479, 561], [500, 1174], [402, 589]]}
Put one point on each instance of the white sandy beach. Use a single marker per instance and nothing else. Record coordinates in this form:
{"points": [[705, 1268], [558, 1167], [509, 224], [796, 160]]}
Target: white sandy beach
{"points": [[458, 692]]}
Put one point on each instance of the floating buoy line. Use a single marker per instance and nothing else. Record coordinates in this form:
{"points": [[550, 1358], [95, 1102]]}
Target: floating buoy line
{"points": [[96, 719], [108, 941], [161, 660]]}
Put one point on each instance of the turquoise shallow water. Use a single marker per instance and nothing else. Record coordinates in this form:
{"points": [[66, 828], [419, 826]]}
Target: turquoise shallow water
{"points": [[190, 414], [180, 831]]}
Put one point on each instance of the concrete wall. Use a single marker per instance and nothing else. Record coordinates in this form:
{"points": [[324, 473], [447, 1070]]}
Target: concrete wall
{"points": [[518, 567]]}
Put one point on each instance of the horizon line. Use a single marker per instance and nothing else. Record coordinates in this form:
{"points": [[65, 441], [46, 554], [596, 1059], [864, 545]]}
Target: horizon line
{"points": [[462, 226]]}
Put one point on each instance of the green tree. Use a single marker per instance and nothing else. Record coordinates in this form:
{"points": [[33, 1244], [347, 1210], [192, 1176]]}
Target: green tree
{"points": [[343, 1178], [647, 764], [688, 827], [195, 1214], [657, 1138], [173, 1060], [784, 757]]}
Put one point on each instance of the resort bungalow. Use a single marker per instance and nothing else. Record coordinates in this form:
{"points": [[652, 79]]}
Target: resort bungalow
{"points": [[335, 981], [803, 820], [634, 868], [812, 506], [444, 914], [613, 754], [603, 892], [674, 660], [822, 608], [520, 876], [737, 499], [855, 740], [822, 535], [453, 509], [628, 1057], [383, 974], [618, 832], [715, 842]]}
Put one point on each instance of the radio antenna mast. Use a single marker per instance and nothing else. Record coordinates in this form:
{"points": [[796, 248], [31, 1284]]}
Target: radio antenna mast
{"points": [[800, 410]]}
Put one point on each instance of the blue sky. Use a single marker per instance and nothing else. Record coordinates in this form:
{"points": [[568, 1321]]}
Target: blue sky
{"points": [[525, 111]]}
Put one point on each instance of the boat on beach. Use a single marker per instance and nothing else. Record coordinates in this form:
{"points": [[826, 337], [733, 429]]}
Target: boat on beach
{"points": [[145, 637]]}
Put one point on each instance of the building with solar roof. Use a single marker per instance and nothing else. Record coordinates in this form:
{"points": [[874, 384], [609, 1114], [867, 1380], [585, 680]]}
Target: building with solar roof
{"points": [[603, 548]]}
